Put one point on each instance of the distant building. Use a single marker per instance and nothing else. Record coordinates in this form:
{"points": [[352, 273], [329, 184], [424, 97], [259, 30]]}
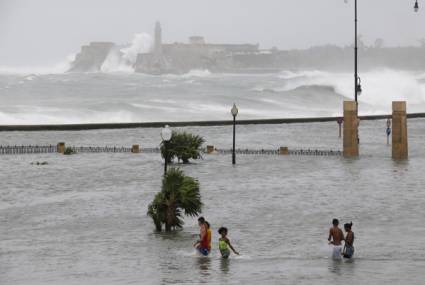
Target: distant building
{"points": [[196, 54], [196, 40], [158, 40]]}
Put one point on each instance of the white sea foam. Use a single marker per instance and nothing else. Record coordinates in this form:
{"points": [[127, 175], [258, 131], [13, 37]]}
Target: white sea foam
{"points": [[189, 76], [45, 115], [156, 99], [166, 101], [141, 43], [380, 87], [124, 59], [114, 63], [197, 73], [155, 107]]}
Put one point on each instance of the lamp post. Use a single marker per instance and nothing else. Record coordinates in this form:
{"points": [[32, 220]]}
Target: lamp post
{"points": [[357, 85], [357, 81], [234, 112], [166, 135]]}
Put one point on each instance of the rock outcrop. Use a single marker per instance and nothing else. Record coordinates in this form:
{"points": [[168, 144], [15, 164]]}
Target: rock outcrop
{"points": [[91, 57]]}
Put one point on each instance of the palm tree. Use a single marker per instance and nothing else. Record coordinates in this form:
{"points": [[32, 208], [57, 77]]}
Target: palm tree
{"points": [[183, 146], [179, 194]]}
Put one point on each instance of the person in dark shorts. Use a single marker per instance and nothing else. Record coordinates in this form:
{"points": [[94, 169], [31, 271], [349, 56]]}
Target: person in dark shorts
{"points": [[349, 241]]}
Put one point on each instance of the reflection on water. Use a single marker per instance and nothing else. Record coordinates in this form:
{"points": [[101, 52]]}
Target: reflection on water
{"points": [[204, 265], [335, 266], [343, 267], [225, 265]]}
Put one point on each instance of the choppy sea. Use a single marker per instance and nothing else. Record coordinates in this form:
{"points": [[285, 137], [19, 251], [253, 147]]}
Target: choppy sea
{"points": [[198, 95]]}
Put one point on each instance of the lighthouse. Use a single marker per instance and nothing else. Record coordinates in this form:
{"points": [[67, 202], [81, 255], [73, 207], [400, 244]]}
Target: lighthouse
{"points": [[158, 40]]}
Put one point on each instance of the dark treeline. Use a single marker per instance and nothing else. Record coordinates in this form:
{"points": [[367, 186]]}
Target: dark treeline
{"points": [[335, 58]]}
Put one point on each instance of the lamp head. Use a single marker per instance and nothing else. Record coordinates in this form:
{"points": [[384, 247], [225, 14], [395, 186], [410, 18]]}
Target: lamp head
{"points": [[234, 110], [359, 86], [359, 89], [166, 133], [416, 7]]}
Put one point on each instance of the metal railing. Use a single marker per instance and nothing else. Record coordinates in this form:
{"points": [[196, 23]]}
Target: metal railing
{"points": [[311, 152], [27, 149], [34, 149], [100, 149]]}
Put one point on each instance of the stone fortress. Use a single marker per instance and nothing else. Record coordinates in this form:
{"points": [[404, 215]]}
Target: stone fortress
{"points": [[179, 58], [197, 54], [173, 58]]}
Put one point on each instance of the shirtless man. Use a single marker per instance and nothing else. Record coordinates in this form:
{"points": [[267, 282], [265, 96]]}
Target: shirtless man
{"points": [[336, 236]]}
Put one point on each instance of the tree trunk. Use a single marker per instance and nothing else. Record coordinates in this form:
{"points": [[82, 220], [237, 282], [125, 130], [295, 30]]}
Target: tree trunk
{"points": [[158, 226], [170, 218]]}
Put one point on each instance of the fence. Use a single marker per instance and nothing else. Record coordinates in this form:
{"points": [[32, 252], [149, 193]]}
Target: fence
{"points": [[99, 149], [27, 149], [312, 152], [34, 149]]}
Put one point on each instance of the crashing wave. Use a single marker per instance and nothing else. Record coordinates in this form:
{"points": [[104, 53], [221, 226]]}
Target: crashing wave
{"points": [[123, 60], [380, 87], [197, 73]]}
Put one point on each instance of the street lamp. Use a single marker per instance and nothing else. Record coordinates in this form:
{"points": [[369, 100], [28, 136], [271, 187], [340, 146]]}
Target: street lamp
{"points": [[234, 112], [166, 135], [359, 86], [416, 7]]}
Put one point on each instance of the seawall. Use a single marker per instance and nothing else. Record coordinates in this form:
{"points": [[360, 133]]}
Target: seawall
{"points": [[82, 127]]}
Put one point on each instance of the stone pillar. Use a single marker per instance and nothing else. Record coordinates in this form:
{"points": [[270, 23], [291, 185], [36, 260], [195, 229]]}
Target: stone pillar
{"points": [[399, 147], [61, 147], [135, 148], [350, 141], [340, 121], [210, 149], [283, 150]]}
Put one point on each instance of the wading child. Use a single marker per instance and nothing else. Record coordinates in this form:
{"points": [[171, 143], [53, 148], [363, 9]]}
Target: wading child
{"points": [[202, 244], [349, 241], [224, 243], [336, 236], [209, 235]]}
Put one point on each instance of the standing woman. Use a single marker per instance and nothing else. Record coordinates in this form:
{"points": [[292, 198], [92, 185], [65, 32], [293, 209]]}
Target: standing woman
{"points": [[349, 241]]}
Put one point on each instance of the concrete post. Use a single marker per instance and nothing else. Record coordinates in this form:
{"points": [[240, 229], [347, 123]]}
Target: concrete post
{"points": [[283, 150], [388, 131], [61, 147], [210, 149], [135, 148], [350, 140], [340, 121], [399, 139]]}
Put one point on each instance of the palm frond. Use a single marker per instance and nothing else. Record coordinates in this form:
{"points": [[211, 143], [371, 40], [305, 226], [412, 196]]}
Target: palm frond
{"points": [[179, 194]]}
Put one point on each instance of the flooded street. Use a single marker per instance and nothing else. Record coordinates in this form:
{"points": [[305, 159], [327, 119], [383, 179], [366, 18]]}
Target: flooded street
{"points": [[82, 219]]}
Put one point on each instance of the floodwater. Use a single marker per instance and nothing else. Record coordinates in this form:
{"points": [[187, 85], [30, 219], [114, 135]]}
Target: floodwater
{"points": [[81, 219]]}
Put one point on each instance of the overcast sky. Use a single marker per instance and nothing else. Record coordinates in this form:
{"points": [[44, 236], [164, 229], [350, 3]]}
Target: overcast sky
{"points": [[39, 32]]}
